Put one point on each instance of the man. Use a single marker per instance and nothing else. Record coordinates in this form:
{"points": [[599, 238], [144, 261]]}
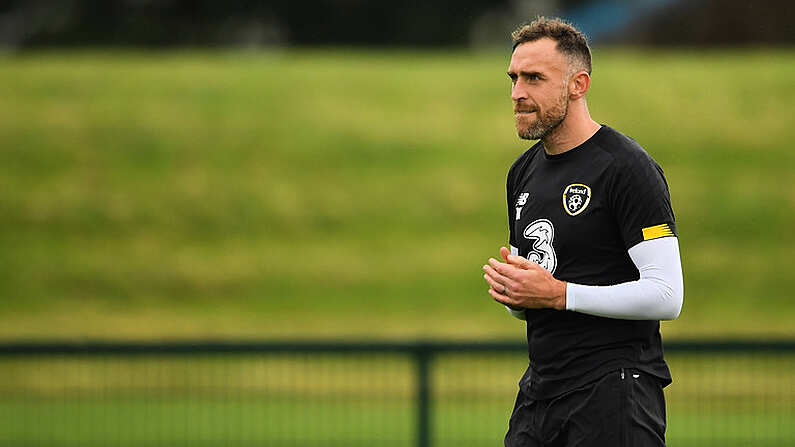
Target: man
{"points": [[594, 259]]}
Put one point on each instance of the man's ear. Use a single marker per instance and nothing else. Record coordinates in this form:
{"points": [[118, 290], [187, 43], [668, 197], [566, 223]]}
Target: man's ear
{"points": [[579, 84]]}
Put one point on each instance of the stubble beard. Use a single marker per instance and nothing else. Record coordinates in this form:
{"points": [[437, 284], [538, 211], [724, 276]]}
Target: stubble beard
{"points": [[546, 122]]}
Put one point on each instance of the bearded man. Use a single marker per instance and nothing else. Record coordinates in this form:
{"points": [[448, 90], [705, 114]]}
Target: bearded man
{"points": [[594, 261]]}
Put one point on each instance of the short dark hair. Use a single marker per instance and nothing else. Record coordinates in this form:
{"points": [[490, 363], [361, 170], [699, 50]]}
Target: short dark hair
{"points": [[571, 41]]}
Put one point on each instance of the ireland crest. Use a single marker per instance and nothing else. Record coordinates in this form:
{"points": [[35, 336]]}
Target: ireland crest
{"points": [[576, 198]]}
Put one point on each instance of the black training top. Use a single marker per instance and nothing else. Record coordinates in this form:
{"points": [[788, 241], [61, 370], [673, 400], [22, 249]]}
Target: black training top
{"points": [[576, 214]]}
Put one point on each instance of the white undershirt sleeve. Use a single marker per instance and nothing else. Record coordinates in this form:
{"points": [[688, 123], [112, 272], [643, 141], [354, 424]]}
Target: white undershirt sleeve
{"points": [[657, 295]]}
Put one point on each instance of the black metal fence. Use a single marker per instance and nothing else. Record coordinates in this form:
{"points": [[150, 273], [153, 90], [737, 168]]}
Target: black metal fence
{"points": [[352, 394]]}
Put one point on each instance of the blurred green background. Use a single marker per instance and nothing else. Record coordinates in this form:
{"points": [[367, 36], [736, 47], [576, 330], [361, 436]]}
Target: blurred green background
{"points": [[333, 192], [334, 170]]}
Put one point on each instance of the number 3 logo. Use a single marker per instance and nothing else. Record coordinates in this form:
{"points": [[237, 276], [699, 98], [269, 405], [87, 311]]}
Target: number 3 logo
{"points": [[541, 233]]}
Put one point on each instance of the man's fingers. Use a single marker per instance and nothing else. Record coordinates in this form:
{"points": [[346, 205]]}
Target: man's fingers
{"points": [[521, 262], [498, 277], [500, 298], [496, 285], [504, 252], [506, 270]]}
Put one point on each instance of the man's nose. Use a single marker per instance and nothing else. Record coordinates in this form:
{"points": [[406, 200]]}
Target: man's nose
{"points": [[518, 93]]}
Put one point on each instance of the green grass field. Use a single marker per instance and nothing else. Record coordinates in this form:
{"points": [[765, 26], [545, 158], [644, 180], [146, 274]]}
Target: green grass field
{"points": [[338, 193], [365, 400]]}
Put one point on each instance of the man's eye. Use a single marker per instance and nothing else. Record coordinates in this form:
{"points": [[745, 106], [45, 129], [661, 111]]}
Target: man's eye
{"points": [[534, 77]]}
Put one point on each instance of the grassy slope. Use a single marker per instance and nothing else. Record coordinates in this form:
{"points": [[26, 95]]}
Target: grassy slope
{"points": [[336, 193]]}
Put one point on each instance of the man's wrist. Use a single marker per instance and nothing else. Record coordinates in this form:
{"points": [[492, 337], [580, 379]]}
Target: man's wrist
{"points": [[560, 302]]}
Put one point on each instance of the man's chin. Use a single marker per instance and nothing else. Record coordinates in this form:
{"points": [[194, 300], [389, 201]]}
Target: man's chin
{"points": [[525, 129], [527, 133]]}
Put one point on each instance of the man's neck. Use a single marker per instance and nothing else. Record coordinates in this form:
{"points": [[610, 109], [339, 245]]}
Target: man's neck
{"points": [[575, 130]]}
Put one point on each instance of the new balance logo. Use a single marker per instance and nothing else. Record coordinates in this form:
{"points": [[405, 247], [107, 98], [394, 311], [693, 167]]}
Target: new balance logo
{"points": [[520, 202]]}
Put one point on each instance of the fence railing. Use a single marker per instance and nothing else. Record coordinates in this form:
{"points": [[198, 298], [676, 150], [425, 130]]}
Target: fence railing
{"points": [[348, 394]]}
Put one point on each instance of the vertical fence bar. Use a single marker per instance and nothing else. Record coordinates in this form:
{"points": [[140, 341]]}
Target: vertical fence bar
{"points": [[422, 356]]}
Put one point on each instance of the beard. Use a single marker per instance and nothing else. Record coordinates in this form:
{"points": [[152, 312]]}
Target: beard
{"points": [[546, 122]]}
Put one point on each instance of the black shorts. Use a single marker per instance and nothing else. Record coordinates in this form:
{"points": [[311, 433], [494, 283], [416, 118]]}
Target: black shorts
{"points": [[624, 408]]}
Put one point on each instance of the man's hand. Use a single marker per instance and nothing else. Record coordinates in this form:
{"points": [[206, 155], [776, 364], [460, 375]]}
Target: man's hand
{"points": [[520, 283]]}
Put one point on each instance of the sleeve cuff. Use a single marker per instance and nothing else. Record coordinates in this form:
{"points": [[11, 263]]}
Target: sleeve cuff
{"points": [[517, 313], [571, 300]]}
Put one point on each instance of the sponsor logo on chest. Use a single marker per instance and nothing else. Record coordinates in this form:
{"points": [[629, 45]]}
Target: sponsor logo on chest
{"points": [[576, 198], [540, 234]]}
